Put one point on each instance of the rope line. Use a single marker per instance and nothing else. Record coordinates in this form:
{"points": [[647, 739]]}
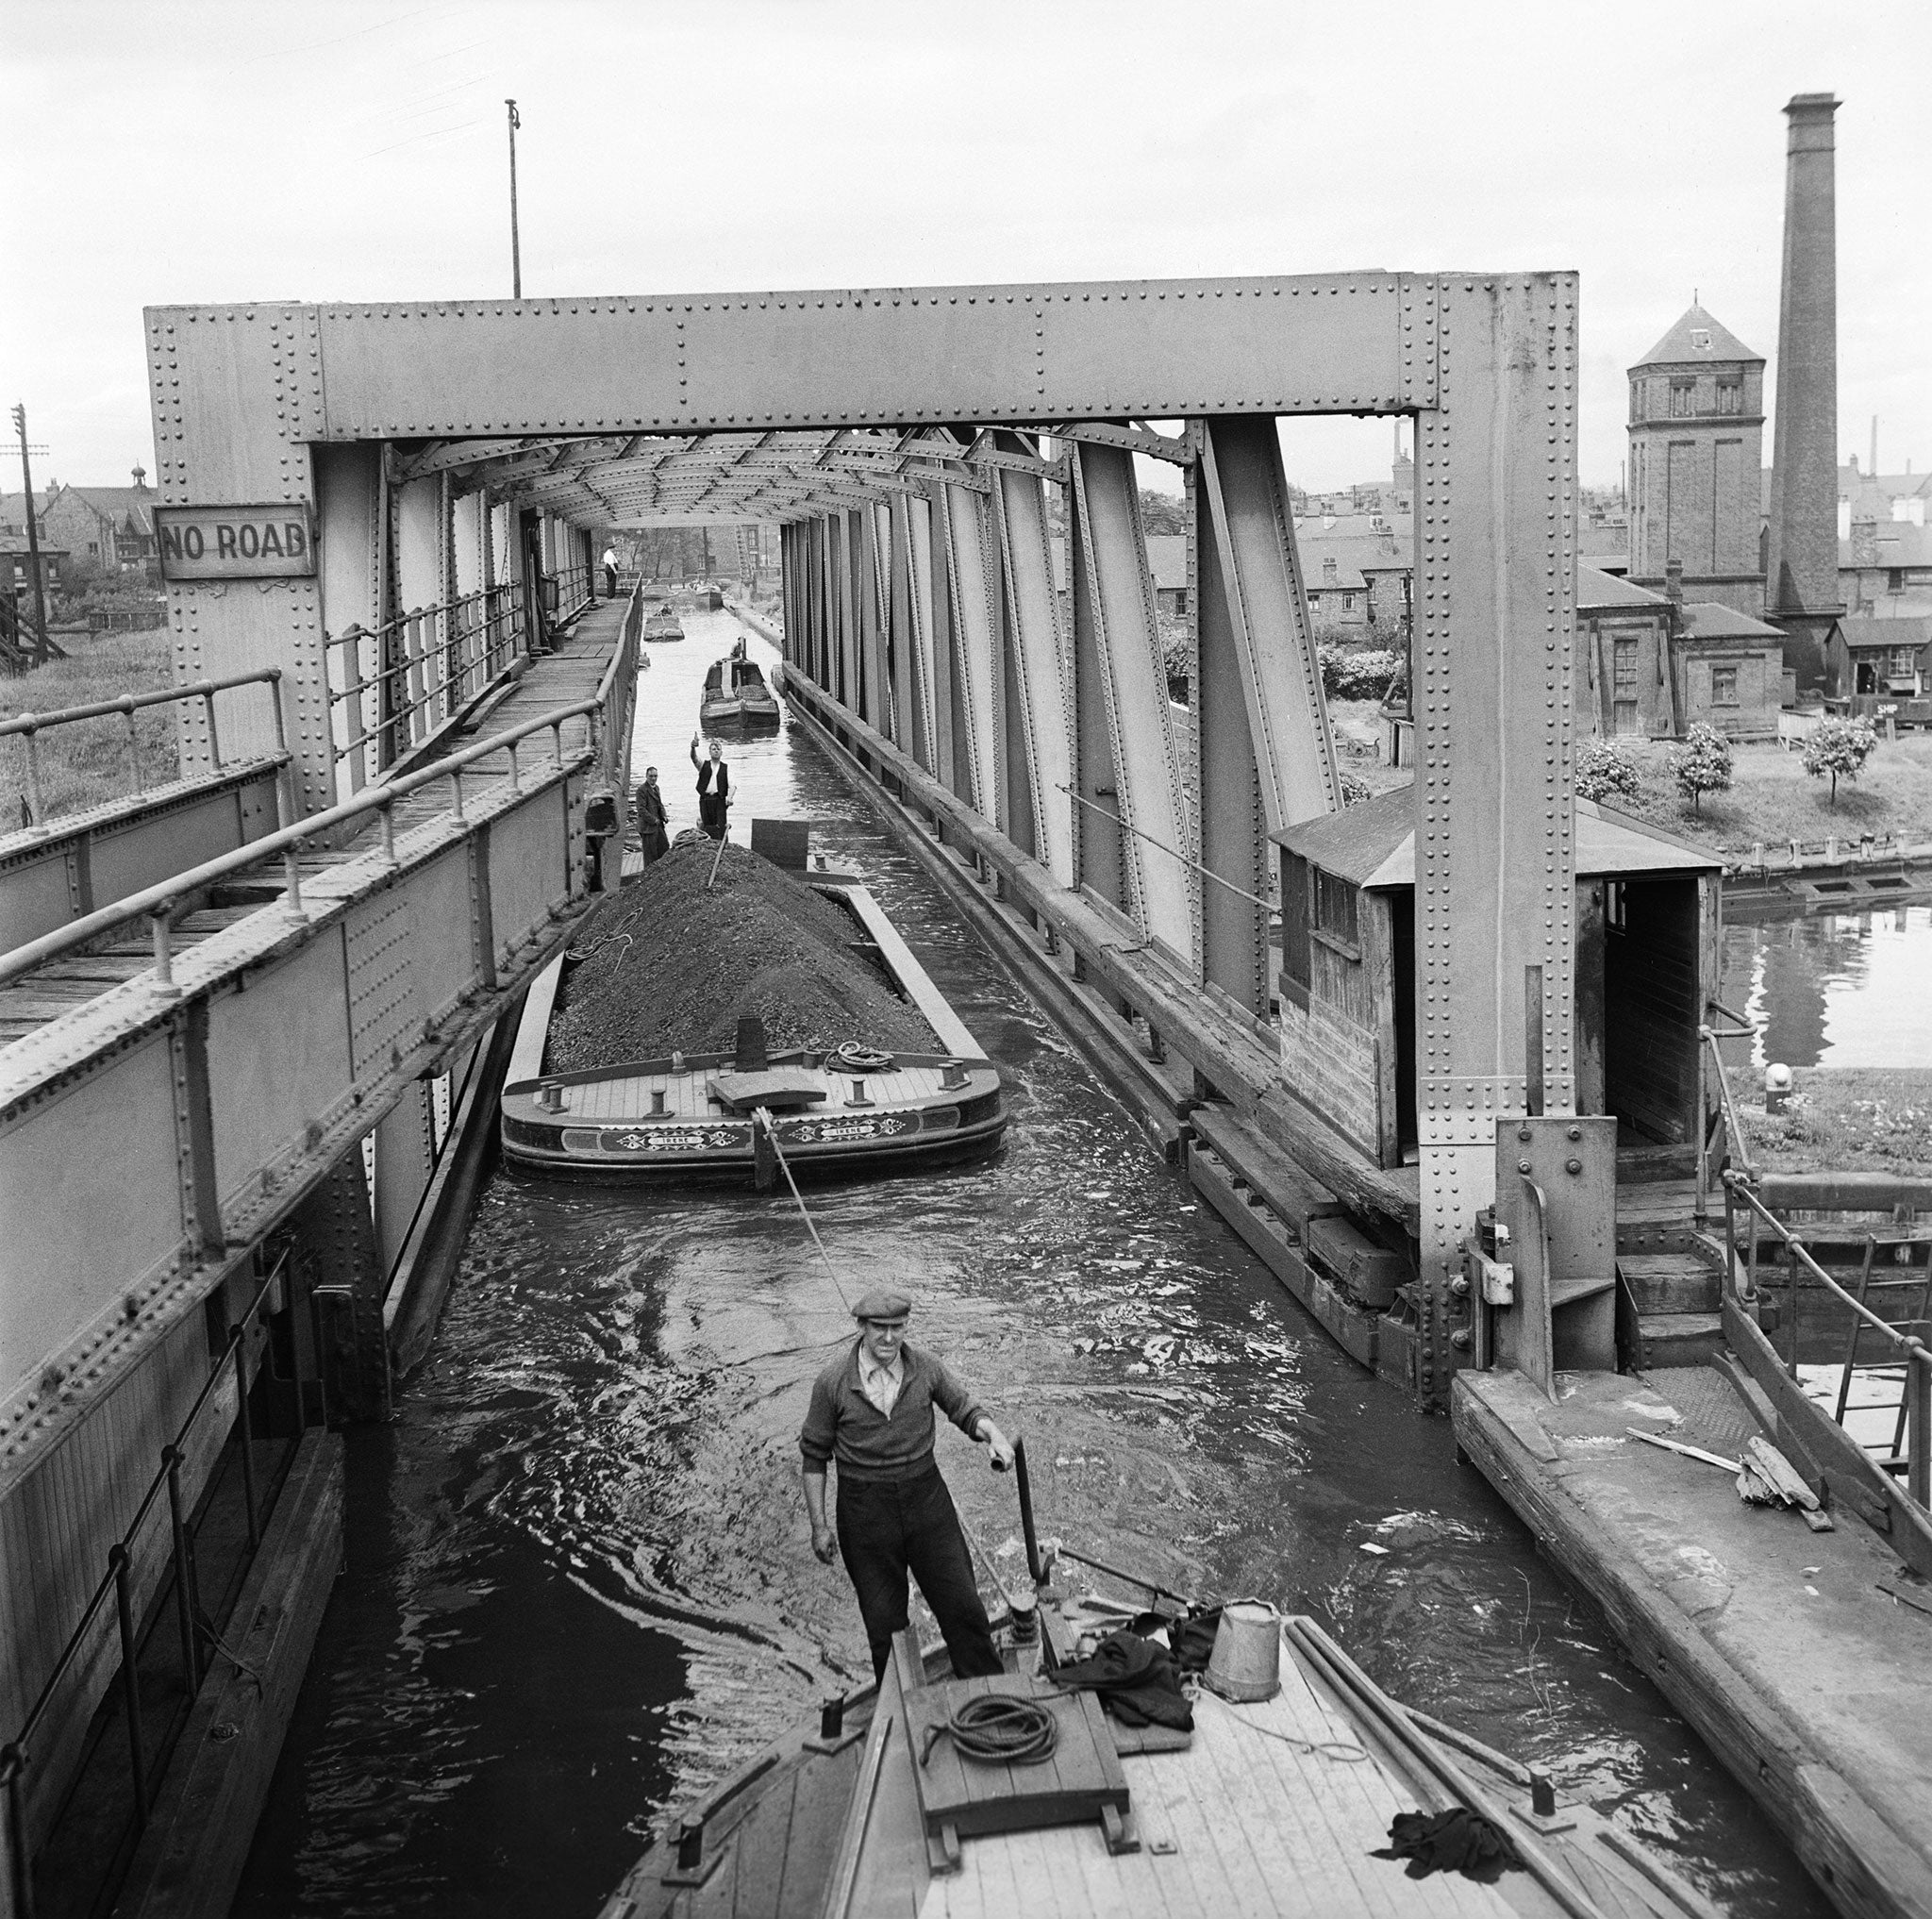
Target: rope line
{"points": [[1340, 1750], [997, 1730], [1080, 799], [764, 1115]]}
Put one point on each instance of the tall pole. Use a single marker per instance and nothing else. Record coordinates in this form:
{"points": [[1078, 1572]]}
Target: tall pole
{"points": [[516, 255], [33, 536]]}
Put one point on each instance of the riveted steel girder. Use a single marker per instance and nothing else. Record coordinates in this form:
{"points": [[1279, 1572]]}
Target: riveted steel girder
{"points": [[1118, 655]]}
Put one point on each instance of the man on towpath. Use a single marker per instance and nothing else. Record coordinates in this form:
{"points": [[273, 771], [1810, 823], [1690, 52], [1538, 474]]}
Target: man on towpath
{"points": [[873, 1412]]}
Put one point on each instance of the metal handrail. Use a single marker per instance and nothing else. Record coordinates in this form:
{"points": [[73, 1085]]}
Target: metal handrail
{"points": [[433, 670], [159, 900], [30, 725], [117, 1582], [1907, 1350]]}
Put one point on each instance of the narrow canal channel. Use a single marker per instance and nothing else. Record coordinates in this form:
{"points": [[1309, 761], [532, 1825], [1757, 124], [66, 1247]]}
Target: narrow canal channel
{"points": [[579, 1583]]}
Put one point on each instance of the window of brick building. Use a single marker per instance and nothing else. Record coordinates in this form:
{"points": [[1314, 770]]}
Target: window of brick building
{"points": [[1723, 686], [1731, 397], [1682, 393], [1895, 579]]}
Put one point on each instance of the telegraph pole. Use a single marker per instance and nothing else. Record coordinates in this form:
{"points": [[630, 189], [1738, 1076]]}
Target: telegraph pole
{"points": [[516, 257], [33, 536]]}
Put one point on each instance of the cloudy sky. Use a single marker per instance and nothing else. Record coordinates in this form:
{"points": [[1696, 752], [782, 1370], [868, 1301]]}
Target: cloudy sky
{"points": [[159, 150]]}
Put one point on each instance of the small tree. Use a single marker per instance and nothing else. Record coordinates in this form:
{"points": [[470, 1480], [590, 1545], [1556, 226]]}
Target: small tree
{"points": [[1838, 748], [1605, 771], [1702, 764]]}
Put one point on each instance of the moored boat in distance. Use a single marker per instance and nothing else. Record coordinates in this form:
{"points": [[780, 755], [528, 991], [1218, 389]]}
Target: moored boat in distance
{"points": [[735, 694], [663, 623]]}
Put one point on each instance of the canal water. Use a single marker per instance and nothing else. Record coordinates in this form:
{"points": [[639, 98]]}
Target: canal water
{"points": [[579, 1583], [1834, 989]]}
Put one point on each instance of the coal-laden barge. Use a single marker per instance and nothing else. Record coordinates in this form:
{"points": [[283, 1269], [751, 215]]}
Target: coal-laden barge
{"points": [[725, 1004]]}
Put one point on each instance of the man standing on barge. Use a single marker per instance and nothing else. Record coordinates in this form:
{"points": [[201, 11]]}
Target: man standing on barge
{"points": [[873, 1410]]}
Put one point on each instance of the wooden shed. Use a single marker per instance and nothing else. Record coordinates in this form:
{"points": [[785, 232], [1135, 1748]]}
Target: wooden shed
{"points": [[1647, 925]]}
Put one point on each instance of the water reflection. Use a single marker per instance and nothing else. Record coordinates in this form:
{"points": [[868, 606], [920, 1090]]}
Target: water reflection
{"points": [[581, 1583], [1834, 989]]}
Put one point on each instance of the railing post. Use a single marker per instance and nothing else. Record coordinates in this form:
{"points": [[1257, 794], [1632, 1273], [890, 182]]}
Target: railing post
{"points": [[351, 644], [389, 831], [184, 1594], [13, 1764], [455, 795], [161, 920], [33, 774], [243, 1434], [415, 685], [214, 743], [1792, 1265], [127, 707], [1919, 1440], [130, 1680], [292, 877], [516, 784]]}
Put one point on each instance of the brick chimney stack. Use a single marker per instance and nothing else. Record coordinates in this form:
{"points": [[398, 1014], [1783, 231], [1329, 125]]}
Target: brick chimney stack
{"points": [[1802, 584]]}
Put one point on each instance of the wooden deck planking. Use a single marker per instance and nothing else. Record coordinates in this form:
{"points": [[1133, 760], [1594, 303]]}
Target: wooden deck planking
{"points": [[822, 1792], [1260, 1829], [758, 1846]]}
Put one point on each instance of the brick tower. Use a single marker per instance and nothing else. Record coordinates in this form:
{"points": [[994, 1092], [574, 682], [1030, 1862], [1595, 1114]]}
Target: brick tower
{"points": [[1696, 447], [1802, 576]]}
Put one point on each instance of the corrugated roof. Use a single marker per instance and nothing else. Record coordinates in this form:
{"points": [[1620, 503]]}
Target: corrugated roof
{"points": [[1598, 592], [1372, 845], [1681, 345]]}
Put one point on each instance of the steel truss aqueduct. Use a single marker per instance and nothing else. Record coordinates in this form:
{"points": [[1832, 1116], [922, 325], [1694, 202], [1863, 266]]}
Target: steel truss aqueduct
{"points": [[907, 440]]}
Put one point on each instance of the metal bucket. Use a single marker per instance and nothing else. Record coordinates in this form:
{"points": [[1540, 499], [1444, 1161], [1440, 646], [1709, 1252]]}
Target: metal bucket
{"points": [[1245, 1664]]}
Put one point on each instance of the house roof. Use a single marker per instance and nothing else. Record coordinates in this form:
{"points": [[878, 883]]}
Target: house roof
{"points": [[17, 543], [120, 504], [1167, 559], [1372, 845], [1697, 340], [1709, 620], [1914, 630], [1351, 552], [1598, 592]]}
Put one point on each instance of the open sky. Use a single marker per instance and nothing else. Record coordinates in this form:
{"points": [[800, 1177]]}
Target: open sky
{"points": [[156, 151]]}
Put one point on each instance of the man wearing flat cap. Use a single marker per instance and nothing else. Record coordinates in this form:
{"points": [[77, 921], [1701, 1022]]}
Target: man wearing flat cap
{"points": [[873, 1410]]}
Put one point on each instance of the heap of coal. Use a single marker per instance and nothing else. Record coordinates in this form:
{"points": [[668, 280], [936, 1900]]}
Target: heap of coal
{"points": [[666, 965]]}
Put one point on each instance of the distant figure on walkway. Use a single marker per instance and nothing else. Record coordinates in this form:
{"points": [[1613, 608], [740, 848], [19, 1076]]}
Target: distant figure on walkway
{"points": [[611, 573], [654, 836], [714, 788]]}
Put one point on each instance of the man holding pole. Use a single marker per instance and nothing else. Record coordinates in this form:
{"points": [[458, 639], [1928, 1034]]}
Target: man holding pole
{"points": [[873, 1410]]}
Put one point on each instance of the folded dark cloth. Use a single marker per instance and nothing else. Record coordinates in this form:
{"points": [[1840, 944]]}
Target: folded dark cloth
{"points": [[1458, 1840], [1192, 1639], [1136, 1681]]}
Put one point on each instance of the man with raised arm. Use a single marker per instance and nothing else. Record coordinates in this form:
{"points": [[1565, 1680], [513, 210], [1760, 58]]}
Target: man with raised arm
{"points": [[873, 1412]]}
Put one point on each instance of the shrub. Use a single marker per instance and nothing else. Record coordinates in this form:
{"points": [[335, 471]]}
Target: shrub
{"points": [[1355, 789], [1702, 764], [1838, 748], [1365, 676], [1606, 770]]}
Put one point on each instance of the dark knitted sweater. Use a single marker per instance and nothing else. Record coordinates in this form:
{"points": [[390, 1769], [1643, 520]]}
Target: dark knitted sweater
{"points": [[842, 1424]]}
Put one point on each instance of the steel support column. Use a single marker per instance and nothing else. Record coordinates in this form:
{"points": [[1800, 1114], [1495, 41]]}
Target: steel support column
{"points": [[972, 605], [929, 722], [875, 614], [1495, 854], [352, 538], [904, 660], [1036, 718], [1120, 690]]}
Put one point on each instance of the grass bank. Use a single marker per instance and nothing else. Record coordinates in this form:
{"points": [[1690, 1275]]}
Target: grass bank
{"points": [[85, 763], [1773, 799], [1847, 1119]]}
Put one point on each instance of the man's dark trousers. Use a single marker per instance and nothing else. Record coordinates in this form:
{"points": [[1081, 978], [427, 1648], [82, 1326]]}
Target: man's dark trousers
{"points": [[887, 1527]]}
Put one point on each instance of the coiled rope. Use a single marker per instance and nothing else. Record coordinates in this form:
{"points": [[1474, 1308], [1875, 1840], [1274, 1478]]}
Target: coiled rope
{"points": [[852, 1056], [996, 1729]]}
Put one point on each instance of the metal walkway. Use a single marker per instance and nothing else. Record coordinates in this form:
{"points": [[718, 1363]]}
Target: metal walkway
{"points": [[215, 1039]]}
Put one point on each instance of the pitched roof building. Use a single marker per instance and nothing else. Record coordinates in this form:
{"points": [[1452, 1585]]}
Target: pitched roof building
{"points": [[1696, 452]]}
